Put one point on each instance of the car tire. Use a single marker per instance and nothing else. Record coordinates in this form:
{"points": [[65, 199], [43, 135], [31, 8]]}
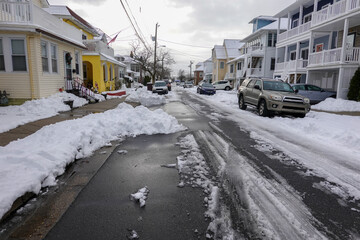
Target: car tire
{"points": [[262, 109], [227, 88], [300, 115], [242, 104]]}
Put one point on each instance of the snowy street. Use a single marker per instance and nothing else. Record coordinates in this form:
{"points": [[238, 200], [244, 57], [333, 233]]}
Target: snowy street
{"points": [[193, 167]]}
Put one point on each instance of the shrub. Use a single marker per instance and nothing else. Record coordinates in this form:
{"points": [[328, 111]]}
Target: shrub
{"points": [[354, 88]]}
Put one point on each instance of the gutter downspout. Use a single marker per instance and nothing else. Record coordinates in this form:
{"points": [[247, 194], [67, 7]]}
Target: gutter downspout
{"points": [[31, 77]]}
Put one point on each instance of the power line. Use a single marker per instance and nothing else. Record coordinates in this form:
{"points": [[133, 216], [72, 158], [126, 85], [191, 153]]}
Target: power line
{"points": [[183, 44], [142, 35], [138, 35]]}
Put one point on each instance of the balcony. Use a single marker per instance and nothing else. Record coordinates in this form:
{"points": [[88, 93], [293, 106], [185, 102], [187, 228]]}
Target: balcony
{"points": [[99, 47], [293, 65], [254, 49], [294, 32], [26, 15], [352, 56], [337, 9]]}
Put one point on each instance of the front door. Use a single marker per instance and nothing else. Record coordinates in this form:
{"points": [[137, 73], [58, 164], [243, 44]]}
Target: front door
{"points": [[68, 71]]}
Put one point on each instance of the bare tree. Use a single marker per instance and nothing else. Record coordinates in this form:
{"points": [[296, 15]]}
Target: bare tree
{"points": [[145, 59], [181, 75]]}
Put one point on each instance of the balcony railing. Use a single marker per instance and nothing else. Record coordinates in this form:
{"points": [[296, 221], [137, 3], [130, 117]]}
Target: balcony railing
{"points": [[294, 32], [292, 65], [15, 14], [324, 57], [254, 49], [99, 47], [337, 9]]}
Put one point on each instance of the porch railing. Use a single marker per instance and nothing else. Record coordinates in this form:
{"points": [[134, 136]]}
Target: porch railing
{"points": [[339, 8], [326, 56], [292, 65], [77, 84], [19, 12], [352, 55], [294, 31]]}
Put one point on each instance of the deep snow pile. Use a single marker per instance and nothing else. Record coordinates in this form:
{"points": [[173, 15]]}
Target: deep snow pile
{"points": [[337, 105], [13, 116], [145, 97], [28, 164]]}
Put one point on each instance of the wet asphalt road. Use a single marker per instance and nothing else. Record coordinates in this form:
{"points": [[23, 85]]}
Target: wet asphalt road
{"points": [[103, 209]]}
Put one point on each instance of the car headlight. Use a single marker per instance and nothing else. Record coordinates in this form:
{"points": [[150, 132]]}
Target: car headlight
{"points": [[306, 100], [276, 97]]}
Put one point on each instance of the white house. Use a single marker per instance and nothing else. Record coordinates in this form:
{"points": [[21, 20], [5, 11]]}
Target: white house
{"points": [[257, 56], [314, 49]]}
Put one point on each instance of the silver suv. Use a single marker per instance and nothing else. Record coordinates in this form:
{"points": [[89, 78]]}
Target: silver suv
{"points": [[272, 96]]}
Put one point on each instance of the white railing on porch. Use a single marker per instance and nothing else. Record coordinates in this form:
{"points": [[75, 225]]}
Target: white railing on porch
{"points": [[19, 12], [26, 13], [339, 8], [352, 55], [294, 31], [292, 65], [326, 56]]}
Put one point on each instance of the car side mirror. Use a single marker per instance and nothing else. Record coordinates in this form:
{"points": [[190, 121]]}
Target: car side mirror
{"points": [[257, 87], [296, 90]]}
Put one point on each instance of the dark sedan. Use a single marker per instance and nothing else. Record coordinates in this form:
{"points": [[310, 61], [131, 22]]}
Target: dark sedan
{"points": [[206, 88], [314, 93]]}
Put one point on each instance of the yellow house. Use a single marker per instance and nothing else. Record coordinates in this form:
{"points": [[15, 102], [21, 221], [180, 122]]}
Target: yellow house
{"points": [[219, 63], [99, 64], [38, 52]]}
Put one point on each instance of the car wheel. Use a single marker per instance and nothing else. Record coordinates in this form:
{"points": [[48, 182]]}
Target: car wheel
{"points": [[300, 115], [227, 88], [242, 104], [166, 92], [263, 111]]}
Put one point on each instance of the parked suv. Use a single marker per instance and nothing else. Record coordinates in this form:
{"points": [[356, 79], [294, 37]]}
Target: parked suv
{"points": [[314, 93], [272, 96], [222, 85], [160, 87]]}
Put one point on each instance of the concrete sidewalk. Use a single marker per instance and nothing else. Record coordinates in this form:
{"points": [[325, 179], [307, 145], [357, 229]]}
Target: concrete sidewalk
{"points": [[30, 128]]}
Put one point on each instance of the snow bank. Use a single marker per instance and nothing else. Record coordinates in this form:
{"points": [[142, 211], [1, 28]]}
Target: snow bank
{"points": [[337, 105], [28, 164], [145, 97], [13, 116]]}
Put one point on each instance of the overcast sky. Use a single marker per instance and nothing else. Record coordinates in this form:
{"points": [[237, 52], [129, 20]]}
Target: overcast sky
{"points": [[188, 28]]}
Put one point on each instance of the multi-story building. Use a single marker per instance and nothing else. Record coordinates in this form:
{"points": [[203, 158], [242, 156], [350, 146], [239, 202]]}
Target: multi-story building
{"points": [[314, 49], [221, 54], [99, 64], [257, 56], [208, 70], [199, 73], [38, 51]]}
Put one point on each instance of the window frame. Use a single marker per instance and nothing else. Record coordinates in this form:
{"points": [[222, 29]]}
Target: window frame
{"points": [[19, 55], [272, 64], [45, 57], [222, 65], [2, 56], [77, 62], [52, 60]]}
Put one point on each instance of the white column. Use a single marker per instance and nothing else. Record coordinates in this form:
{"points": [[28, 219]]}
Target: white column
{"points": [[301, 14], [311, 43], [340, 79], [343, 48], [316, 5], [289, 21], [277, 36], [286, 53]]}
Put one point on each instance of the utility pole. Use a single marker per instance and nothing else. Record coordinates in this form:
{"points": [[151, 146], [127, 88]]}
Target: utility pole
{"points": [[154, 76], [191, 63]]}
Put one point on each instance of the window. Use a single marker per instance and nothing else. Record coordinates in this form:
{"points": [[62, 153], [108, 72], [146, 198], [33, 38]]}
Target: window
{"points": [[270, 39], [258, 83], [307, 18], [44, 56], [54, 66], [239, 66], [295, 23], [231, 68], [292, 55], [77, 66], [313, 88], [251, 84], [135, 67], [2, 60], [305, 53], [84, 37], [18, 54], [272, 65], [105, 74], [222, 65]]}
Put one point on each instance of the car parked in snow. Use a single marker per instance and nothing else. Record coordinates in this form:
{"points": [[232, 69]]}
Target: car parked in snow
{"points": [[188, 84], [160, 87], [222, 85], [271, 96], [206, 88], [314, 93]]}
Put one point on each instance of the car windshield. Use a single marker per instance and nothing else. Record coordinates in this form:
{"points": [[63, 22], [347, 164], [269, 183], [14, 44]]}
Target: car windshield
{"points": [[160, 84], [207, 85], [277, 86]]}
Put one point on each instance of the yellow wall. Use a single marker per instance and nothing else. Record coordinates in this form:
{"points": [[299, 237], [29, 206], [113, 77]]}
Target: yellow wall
{"points": [[88, 35]]}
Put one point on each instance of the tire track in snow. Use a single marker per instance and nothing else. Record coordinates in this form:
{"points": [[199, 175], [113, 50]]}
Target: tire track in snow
{"points": [[274, 211]]}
